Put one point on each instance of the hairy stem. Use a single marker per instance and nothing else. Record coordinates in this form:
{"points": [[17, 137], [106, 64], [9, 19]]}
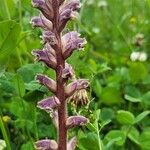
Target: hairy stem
{"points": [[62, 111]]}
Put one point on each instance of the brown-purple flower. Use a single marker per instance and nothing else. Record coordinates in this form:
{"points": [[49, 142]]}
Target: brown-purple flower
{"points": [[74, 121], [46, 144], [48, 82], [42, 22], [72, 41], [45, 7], [49, 104], [76, 85]]}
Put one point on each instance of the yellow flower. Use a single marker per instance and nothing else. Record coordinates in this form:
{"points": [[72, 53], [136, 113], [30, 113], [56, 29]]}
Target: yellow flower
{"points": [[133, 20], [6, 118]]}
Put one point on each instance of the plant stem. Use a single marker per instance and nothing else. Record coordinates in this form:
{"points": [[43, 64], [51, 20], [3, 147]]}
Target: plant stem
{"points": [[20, 13], [4, 132], [62, 110], [99, 138]]}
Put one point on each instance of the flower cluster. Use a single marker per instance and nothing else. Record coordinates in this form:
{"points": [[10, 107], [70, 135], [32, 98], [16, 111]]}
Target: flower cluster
{"points": [[57, 48]]}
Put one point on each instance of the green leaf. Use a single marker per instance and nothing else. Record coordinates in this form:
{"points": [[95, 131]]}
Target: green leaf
{"points": [[9, 34], [19, 85], [29, 71], [27, 146], [106, 114], [125, 117], [133, 135], [146, 98], [116, 136], [89, 142], [5, 8], [137, 72], [141, 116], [145, 140], [132, 99], [110, 96]]}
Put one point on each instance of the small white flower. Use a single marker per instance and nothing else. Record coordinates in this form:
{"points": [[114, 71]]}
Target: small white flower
{"points": [[143, 56], [2, 144], [134, 56]]}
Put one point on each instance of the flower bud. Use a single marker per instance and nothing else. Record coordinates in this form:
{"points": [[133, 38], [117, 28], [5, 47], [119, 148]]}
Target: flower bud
{"points": [[45, 56], [42, 22], [49, 37], [76, 85], [46, 144], [46, 81], [48, 104], [44, 7], [68, 72], [71, 145], [74, 121], [72, 41]]}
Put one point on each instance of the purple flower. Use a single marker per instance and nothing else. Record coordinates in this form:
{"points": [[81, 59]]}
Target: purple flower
{"points": [[68, 72], [71, 145], [76, 85], [73, 5], [45, 7], [42, 22], [72, 41], [49, 83], [54, 116], [74, 121], [48, 104], [46, 144], [46, 56], [49, 37], [67, 12]]}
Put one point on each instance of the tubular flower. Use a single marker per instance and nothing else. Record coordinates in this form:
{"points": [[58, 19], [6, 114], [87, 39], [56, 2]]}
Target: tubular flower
{"points": [[42, 22], [46, 145], [48, 104], [72, 41], [49, 83], [76, 85], [45, 56], [74, 121]]}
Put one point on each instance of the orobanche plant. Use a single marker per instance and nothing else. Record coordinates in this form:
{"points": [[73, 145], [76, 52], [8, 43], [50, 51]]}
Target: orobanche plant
{"points": [[57, 48]]}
